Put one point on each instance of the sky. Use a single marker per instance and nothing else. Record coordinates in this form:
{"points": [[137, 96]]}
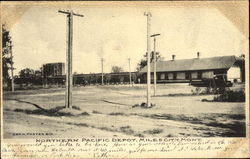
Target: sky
{"points": [[116, 34]]}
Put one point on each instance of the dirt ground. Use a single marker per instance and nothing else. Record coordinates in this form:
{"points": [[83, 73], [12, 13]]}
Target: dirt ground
{"points": [[110, 111]]}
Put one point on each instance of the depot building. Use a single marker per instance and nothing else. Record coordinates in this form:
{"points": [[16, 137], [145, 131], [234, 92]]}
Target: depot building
{"points": [[197, 69]]}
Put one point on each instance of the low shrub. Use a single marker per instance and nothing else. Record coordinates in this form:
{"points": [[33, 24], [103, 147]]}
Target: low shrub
{"points": [[231, 96]]}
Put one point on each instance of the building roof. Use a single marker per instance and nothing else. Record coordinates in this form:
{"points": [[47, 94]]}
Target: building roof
{"points": [[222, 62], [54, 63]]}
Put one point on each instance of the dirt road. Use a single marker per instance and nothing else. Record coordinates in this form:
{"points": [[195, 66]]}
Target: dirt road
{"points": [[109, 111]]}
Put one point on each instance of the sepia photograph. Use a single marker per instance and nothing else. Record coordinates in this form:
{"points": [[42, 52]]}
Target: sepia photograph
{"points": [[124, 70]]}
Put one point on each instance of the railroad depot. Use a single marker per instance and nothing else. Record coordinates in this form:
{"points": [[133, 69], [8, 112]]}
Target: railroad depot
{"points": [[196, 70]]}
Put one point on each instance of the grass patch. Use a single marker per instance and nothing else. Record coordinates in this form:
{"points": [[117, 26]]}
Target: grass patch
{"points": [[79, 124], [127, 130], [57, 111], [154, 131], [96, 112], [106, 129], [231, 96], [235, 125], [83, 114], [117, 113], [143, 105], [76, 107], [170, 135]]}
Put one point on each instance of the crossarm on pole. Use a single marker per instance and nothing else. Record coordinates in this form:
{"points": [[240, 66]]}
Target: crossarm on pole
{"points": [[65, 12]]}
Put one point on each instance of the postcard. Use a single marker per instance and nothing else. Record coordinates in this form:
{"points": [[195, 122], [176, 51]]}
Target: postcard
{"points": [[126, 79]]}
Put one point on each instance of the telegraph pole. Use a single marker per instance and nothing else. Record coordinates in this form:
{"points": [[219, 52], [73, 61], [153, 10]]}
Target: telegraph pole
{"points": [[154, 35], [102, 69], [12, 69], [130, 80], [148, 14], [69, 41]]}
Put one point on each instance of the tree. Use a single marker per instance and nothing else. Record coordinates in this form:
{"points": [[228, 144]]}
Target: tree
{"points": [[143, 61], [242, 56], [27, 75], [6, 59], [107, 78], [116, 69], [241, 63]]}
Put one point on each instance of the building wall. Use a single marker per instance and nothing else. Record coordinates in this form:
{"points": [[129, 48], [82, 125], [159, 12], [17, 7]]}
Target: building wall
{"points": [[194, 75], [184, 76], [53, 69], [59, 69], [234, 74]]}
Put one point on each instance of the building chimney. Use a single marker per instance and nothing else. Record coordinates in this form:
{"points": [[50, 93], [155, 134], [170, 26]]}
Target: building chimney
{"points": [[198, 54], [173, 57]]}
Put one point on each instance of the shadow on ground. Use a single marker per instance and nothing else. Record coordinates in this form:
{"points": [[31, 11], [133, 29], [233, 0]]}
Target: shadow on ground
{"points": [[234, 122], [57, 111]]}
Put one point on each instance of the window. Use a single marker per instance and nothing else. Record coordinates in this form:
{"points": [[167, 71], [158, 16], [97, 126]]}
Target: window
{"points": [[180, 75], [208, 74], [162, 76], [194, 75], [170, 76]]}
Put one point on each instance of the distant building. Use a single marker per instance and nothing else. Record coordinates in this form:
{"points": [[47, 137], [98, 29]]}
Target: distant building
{"points": [[109, 78], [198, 69], [53, 69]]}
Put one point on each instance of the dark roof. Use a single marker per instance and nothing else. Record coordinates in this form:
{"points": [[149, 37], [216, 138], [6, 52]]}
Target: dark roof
{"points": [[222, 62], [54, 63]]}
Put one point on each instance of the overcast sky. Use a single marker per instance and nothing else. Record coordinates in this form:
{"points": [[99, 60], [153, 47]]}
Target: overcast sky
{"points": [[116, 34]]}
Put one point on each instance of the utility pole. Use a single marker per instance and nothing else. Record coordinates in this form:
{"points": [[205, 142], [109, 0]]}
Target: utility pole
{"points": [[12, 69], [148, 14], [95, 78], [69, 41], [102, 69], [154, 35], [130, 80]]}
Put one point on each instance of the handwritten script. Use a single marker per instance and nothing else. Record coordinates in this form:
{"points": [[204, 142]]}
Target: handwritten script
{"points": [[114, 147]]}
